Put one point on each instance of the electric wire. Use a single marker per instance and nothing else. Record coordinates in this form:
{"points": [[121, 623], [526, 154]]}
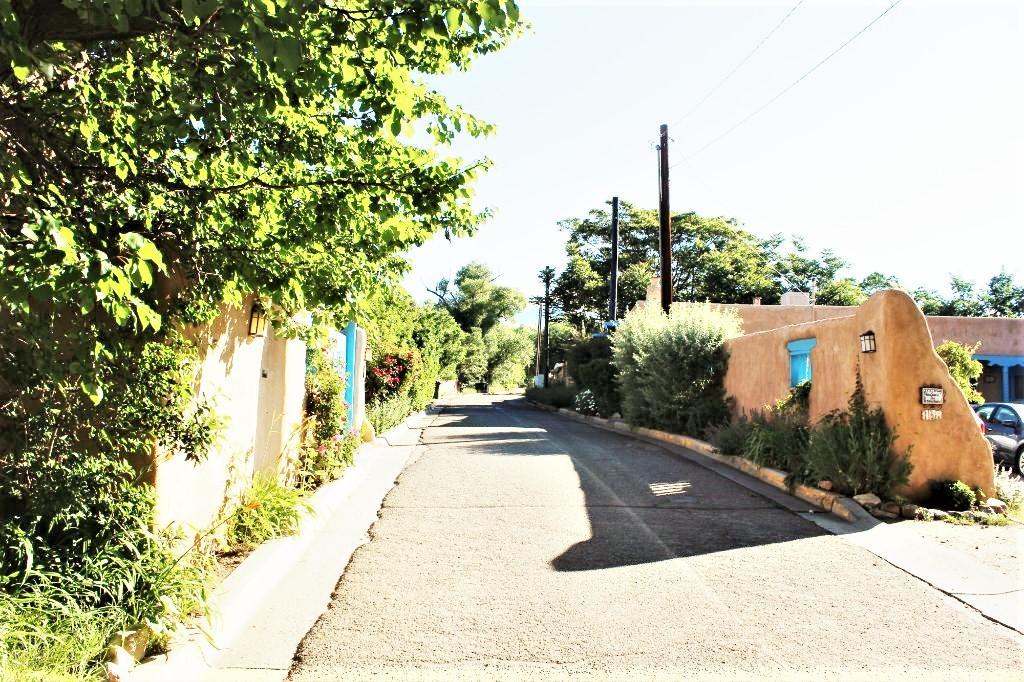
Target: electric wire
{"points": [[738, 66], [792, 85]]}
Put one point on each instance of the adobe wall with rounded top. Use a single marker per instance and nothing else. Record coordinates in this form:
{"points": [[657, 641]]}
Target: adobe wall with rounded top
{"points": [[904, 361]]}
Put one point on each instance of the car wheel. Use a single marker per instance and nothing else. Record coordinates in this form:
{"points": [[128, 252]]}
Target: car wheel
{"points": [[1017, 462]]}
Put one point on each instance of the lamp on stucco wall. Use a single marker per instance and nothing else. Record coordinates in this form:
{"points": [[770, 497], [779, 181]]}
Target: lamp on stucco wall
{"points": [[867, 342], [257, 320]]}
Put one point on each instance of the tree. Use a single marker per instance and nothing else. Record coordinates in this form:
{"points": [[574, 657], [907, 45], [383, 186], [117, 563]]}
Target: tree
{"points": [[1004, 298], [841, 292], [509, 355], [804, 273], [962, 366], [876, 281], [473, 368], [475, 301], [576, 290]]}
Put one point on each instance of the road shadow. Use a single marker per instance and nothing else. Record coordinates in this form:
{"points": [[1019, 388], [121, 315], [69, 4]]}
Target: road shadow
{"points": [[643, 503]]}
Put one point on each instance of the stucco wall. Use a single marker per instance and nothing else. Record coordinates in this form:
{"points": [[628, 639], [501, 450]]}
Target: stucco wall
{"points": [[997, 335], [952, 447], [257, 388]]}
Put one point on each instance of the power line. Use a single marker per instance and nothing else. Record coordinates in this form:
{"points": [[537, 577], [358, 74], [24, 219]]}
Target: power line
{"points": [[743, 61], [796, 82]]}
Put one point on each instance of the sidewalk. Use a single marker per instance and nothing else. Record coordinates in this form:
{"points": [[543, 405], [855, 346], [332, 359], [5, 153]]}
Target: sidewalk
{"points": [[266, 606]]}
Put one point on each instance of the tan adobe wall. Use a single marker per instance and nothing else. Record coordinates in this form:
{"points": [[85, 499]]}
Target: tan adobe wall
{"points": [[952, 447], [997, 335], [257, 388]]}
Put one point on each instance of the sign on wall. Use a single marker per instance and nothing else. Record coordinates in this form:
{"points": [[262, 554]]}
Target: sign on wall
{"points": [[933, 395]]}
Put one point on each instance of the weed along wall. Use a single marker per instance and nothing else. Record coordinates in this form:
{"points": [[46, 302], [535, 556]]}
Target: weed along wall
{"points": [[257, 388], [944, 439]]}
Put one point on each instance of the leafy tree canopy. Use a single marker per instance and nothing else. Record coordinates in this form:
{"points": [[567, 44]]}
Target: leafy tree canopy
{"points": [[157, 158], [474, 300]]}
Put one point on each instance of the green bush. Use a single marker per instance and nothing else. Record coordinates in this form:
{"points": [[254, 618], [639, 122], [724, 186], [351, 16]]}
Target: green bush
{"points": [[267, 510], [590, 363], [951, 495], [390, 412], [320, 463], [584, 402], [963, 368], [730, 438], [854, 450], [672, 368], [556, 395]]}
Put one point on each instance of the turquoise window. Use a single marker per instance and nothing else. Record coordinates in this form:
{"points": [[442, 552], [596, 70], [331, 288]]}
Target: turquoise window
{"points": [[800, 360]]}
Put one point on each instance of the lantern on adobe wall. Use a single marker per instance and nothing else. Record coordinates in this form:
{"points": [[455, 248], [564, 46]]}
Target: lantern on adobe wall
{"points": [[257, 320], [867, 342]]}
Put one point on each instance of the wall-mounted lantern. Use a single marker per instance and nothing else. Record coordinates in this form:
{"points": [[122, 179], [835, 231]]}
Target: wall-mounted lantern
{"points": [[257, 320], [867, 342]]}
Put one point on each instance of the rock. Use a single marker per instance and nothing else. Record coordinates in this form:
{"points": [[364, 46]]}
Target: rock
{"points": [[938, 514], [977, 516], [880, 513], [132, 642], [825, 485], [924, 514], [867, 500], [891, 507], [994, 506], [119, 664], [909, 511], [957, 514]]}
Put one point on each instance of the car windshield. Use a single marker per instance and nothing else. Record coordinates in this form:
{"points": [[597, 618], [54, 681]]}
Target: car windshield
{"points": [[985, 411]]}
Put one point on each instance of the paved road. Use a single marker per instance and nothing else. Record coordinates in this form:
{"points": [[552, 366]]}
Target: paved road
{"points": [[522, 545]]}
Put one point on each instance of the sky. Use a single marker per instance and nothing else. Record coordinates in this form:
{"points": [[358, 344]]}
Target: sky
{"points": [[904, 153]]}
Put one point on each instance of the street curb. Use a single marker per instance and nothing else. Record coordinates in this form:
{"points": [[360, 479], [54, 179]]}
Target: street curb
{"points": [[841, 506], [236, 600]]}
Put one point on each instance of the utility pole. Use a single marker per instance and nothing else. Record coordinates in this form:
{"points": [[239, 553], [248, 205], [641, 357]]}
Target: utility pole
{"points": [[665, 215], [546, 275], [613, 286], [538, 301]]}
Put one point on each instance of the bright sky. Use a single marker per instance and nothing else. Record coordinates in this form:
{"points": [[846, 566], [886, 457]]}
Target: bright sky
{"points": [[903, 153]]}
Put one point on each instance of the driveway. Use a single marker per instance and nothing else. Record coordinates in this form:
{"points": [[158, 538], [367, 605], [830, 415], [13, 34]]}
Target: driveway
{"points": [[523, 545]]}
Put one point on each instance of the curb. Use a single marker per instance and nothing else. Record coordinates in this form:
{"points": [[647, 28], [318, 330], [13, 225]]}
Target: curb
{"points": [[237, 600], [841, 506]]}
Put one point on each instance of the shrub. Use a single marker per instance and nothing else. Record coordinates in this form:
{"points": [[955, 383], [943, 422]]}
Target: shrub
{"points": [[590, 363], [779, 437], [1009, 489], [388, 413], [951, 495], [672, 368], [584, 402], [267, 510], [730, 438], [324, 462], [963, 368], [854, 450], [325, 402], [556, 396]]}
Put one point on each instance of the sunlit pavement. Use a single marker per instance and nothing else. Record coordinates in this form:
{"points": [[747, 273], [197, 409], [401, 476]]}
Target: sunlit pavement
{"points": [[522, 545]]}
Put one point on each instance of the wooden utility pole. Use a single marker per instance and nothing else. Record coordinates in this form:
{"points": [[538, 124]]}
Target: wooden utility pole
{"points": [[664, 213], [546, 275], [539, 302], [613, 286]]}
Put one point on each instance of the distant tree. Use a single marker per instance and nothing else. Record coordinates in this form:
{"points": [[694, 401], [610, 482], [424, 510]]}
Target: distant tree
{"points": [[841, 292], [475, 301], [509, 355], [805, 273], [965, 300], [576, 291], [473, 368], [929, 301], [877, 281], [1004, 298]]}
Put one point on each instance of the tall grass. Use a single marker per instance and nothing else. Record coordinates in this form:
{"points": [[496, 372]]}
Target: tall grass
{"points": [[267, 510]]}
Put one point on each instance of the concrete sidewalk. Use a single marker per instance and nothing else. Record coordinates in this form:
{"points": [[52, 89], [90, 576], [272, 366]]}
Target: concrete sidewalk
{"points": [[264, 608]]}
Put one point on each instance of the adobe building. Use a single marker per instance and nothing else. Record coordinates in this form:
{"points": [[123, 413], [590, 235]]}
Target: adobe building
{"points": [[1001, 339]]}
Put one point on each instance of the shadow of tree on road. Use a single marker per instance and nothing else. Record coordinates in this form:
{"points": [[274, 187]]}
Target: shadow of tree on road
{"points": [[644, 504]]}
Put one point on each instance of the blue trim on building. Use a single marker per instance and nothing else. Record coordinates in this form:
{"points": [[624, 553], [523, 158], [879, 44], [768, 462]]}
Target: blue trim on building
{"points": [[1004, 362], [350, 372], [800, 360]]}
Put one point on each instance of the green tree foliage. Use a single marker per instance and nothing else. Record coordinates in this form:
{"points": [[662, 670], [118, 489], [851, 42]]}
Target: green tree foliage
{"points": [[672, 368], [962, 366], [840, 292], [575, 291], [590, 364], [475, 301], [509, 356], [876, 281], [1004, 298], [474, 365]]}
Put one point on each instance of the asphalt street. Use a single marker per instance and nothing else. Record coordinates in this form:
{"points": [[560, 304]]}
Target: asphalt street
{"points": [[522, 545]]}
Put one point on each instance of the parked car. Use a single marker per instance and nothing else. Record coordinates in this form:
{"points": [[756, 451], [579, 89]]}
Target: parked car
{"points": [[1004, 429]]}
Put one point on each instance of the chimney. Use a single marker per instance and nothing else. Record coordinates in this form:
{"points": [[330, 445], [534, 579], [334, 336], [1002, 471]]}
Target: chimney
{"points": [[757, 300]]}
